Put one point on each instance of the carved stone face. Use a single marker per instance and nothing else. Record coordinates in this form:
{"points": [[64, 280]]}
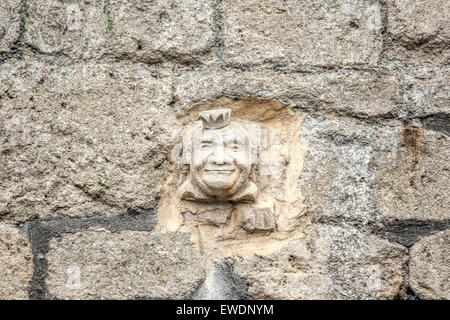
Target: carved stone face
{"points": [[218, 157], [221, 160]]}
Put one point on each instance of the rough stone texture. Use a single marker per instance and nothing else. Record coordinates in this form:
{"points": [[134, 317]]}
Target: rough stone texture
{"points": [[334, 263], [222, 283], [258, 219], [146, 30], [302, 32], [91, 92], [78, 139], [98, 264], [366, 173], [418, 30], [344, 159], [415, 179], [9, 23], [213, 213], [16, 264], [430, 266], [399, 93], [360, 94], [426, 96]]}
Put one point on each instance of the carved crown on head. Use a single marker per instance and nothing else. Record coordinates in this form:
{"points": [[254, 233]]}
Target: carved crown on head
{"points": [[215, 119]]}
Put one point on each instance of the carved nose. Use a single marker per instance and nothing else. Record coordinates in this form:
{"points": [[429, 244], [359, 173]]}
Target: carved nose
{"points": [[219, 156]]}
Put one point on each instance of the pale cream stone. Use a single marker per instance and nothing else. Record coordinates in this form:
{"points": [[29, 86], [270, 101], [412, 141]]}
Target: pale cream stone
{"points": [[220, 160], [257, 219], [269, 133]]}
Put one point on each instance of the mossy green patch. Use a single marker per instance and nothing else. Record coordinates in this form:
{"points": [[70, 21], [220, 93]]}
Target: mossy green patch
{"points": [[107, 12]]}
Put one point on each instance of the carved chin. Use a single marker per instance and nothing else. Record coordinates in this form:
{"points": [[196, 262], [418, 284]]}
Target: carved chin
{"points": [[220, 184]]}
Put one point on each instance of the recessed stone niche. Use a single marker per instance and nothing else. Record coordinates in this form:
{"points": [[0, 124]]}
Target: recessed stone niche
{"points": [[233, 183]]}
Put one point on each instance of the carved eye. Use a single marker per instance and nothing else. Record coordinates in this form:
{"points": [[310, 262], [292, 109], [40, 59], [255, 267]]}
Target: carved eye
{"points": [[234, 147], [206, 145]]}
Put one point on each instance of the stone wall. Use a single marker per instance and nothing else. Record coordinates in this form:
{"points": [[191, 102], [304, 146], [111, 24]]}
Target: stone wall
{"points": [[92, 91]]}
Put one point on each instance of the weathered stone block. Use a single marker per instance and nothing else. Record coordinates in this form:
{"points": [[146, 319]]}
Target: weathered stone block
{"points": [[331, 263], [430, 266], [345, 104], [222, 283], [81, 138], [9, 23], [414, 181], [361, 94], [213, 213], [98, 264], [16, 264], [345, 156], [418, 30], [257, 219], [426, 94], [302, 32], [146, 30], [365, 173], [353, 166]]}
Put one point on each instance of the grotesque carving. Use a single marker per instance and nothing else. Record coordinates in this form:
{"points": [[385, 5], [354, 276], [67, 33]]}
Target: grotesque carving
{"points": [[217, 155]]}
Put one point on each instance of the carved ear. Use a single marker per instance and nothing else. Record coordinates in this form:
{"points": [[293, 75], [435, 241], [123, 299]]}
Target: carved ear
{"points": [[179, 149], [182, 147], [176, 155]]}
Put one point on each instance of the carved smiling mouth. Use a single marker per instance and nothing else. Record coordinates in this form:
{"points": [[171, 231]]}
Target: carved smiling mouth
{"points": [[220, 170]]}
